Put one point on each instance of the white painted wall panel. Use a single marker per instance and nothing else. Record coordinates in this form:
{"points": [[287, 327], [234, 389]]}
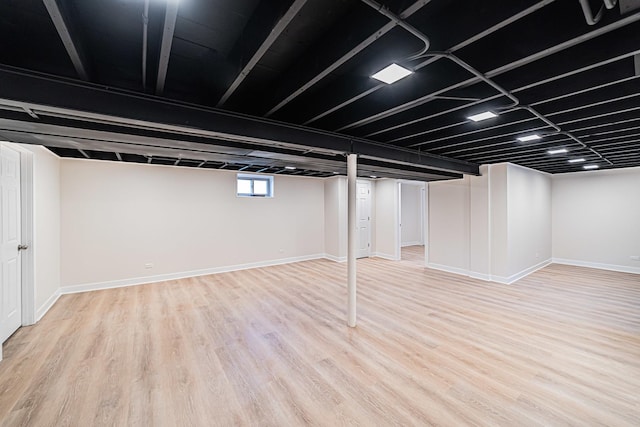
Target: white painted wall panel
{"points": [[411, 214], [118, 217], [596, 218]]}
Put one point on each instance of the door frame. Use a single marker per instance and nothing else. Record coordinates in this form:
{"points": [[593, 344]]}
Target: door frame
{"points": [[369, 183], [28, 290], [424, 215]]}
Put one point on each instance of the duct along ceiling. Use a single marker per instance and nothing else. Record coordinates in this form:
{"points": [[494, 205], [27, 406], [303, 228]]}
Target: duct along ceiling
{"points": [[258, 85]]}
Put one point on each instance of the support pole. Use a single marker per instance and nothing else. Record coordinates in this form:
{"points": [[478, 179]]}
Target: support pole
{"points": [[352, 169]]}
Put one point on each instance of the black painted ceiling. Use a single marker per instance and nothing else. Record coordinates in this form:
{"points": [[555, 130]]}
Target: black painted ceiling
{"points": [[539, 64]]}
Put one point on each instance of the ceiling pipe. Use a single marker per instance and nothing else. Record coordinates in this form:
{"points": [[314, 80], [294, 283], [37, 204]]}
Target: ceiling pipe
{"points": [[401, 23], [145, 31], [588, 13], [515, 101]]}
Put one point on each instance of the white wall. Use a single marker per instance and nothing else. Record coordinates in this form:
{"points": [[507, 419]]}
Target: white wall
{"points": [[411, 214], [46, 233], [529, 219], [335, 218], [449, 225], [596, 218], [386, 201], [117, 217], [495, 227]]}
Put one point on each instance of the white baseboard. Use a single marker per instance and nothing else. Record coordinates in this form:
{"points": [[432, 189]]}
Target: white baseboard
{"points": [[47, 305], [335, 258], [598, 265], [448, 269], [416, 243], [487, 277], [480, 276], [181, 275], [515, 277], [385, 256]]}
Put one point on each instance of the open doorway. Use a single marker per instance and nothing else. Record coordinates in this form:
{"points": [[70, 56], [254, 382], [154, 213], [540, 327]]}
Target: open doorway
{"points": [[413, 222]]}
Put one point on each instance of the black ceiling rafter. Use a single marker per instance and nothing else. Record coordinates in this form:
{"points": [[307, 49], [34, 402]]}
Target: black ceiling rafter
{"points": [[486, 79], [493, 73], [62, 22], [510, 123], [493, 97], [467, 42], [417, 5], [168, 29], [275, 32]]}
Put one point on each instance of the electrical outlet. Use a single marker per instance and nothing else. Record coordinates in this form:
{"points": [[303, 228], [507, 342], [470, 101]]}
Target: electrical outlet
{"points": [[148, 265], [635, 257]]}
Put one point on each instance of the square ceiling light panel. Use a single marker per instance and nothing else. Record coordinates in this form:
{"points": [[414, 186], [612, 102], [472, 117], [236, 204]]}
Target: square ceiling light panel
{"points": [[392, 74]]}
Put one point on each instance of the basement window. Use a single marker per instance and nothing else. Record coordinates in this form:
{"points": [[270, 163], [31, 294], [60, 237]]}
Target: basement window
{"points": [[254, 185]]}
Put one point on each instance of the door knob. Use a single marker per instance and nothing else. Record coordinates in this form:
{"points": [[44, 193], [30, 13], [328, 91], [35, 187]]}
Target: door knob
{"points": [[23, 247]]}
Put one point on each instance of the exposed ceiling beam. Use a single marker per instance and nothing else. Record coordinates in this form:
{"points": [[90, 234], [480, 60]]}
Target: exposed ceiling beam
{"points": [[347, 56], [467, 42], [493, 73], [170, 17], [95, 104], [61, 22], [264, 47]]}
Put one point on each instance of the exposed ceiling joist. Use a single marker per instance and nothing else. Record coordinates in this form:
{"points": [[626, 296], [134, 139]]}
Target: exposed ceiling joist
{"points": [[280, 26], [168, 29], [71, 43]]}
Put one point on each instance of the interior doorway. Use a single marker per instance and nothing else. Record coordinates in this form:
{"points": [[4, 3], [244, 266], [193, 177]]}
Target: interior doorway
{"points": [[413, 224]]}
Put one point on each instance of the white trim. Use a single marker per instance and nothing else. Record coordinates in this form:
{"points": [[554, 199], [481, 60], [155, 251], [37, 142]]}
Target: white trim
{"points": [[480, 276], [598, 265], [448, 269], [47, 305], [181, 275], [487, 277], [335, 258], [27, 236], [414, 243], [385, 256], [515, 277]]}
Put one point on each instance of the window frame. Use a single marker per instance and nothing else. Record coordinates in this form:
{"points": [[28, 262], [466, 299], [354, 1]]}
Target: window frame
{"points": [[268, 179]]}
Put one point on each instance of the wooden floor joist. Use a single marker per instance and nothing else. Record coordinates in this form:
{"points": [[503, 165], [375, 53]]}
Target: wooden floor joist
{"points": [[270, 347]]}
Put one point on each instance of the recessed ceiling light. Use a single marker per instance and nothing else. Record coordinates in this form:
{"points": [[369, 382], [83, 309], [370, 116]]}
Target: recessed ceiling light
{"points": [[580, 160], [528, 138], [587, 167], [558, 151], [392, 74], [482, 116], [291, 168]]}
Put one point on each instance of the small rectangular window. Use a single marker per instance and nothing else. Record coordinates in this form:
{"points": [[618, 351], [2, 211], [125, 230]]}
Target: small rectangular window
{"points": [[254, 185]]}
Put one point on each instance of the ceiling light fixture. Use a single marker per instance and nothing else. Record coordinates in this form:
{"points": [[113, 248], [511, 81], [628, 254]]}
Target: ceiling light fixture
{"points": [[291, 168], [588, 167], [528, 138], [392, 74], [372, 176], [580, 160], [482, 116], [558, 151]]}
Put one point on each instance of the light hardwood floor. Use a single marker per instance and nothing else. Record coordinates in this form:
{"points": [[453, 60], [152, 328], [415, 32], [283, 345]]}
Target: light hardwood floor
{"points": [[270, 347]]}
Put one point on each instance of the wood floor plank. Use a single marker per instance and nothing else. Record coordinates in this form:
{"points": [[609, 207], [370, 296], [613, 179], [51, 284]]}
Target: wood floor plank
{"points": [[270, 347]]}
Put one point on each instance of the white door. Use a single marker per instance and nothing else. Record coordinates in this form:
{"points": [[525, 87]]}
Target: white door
{"points": [[363, 214], [10, 269]]}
